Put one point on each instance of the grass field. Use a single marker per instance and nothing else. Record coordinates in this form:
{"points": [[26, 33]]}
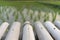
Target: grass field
{"points": [[40, 6], [53, 5], [52, 2]]}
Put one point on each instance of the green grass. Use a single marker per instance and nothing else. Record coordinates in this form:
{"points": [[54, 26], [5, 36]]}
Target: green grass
{"points": [[19, 4], [40, 6], [52, 2]]}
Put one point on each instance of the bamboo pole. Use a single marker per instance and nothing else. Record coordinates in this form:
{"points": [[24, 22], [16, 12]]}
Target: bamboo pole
{"points": [[53, 30], [42, 32], [28, 32], [14, 31], [3, 28], [57, 23]]}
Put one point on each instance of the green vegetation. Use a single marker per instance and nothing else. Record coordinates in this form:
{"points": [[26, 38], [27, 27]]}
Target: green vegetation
{"points": [[44, 6]]}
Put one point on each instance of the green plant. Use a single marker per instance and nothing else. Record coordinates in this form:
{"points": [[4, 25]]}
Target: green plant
{"points": [[11, 14], [54, 16]]}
